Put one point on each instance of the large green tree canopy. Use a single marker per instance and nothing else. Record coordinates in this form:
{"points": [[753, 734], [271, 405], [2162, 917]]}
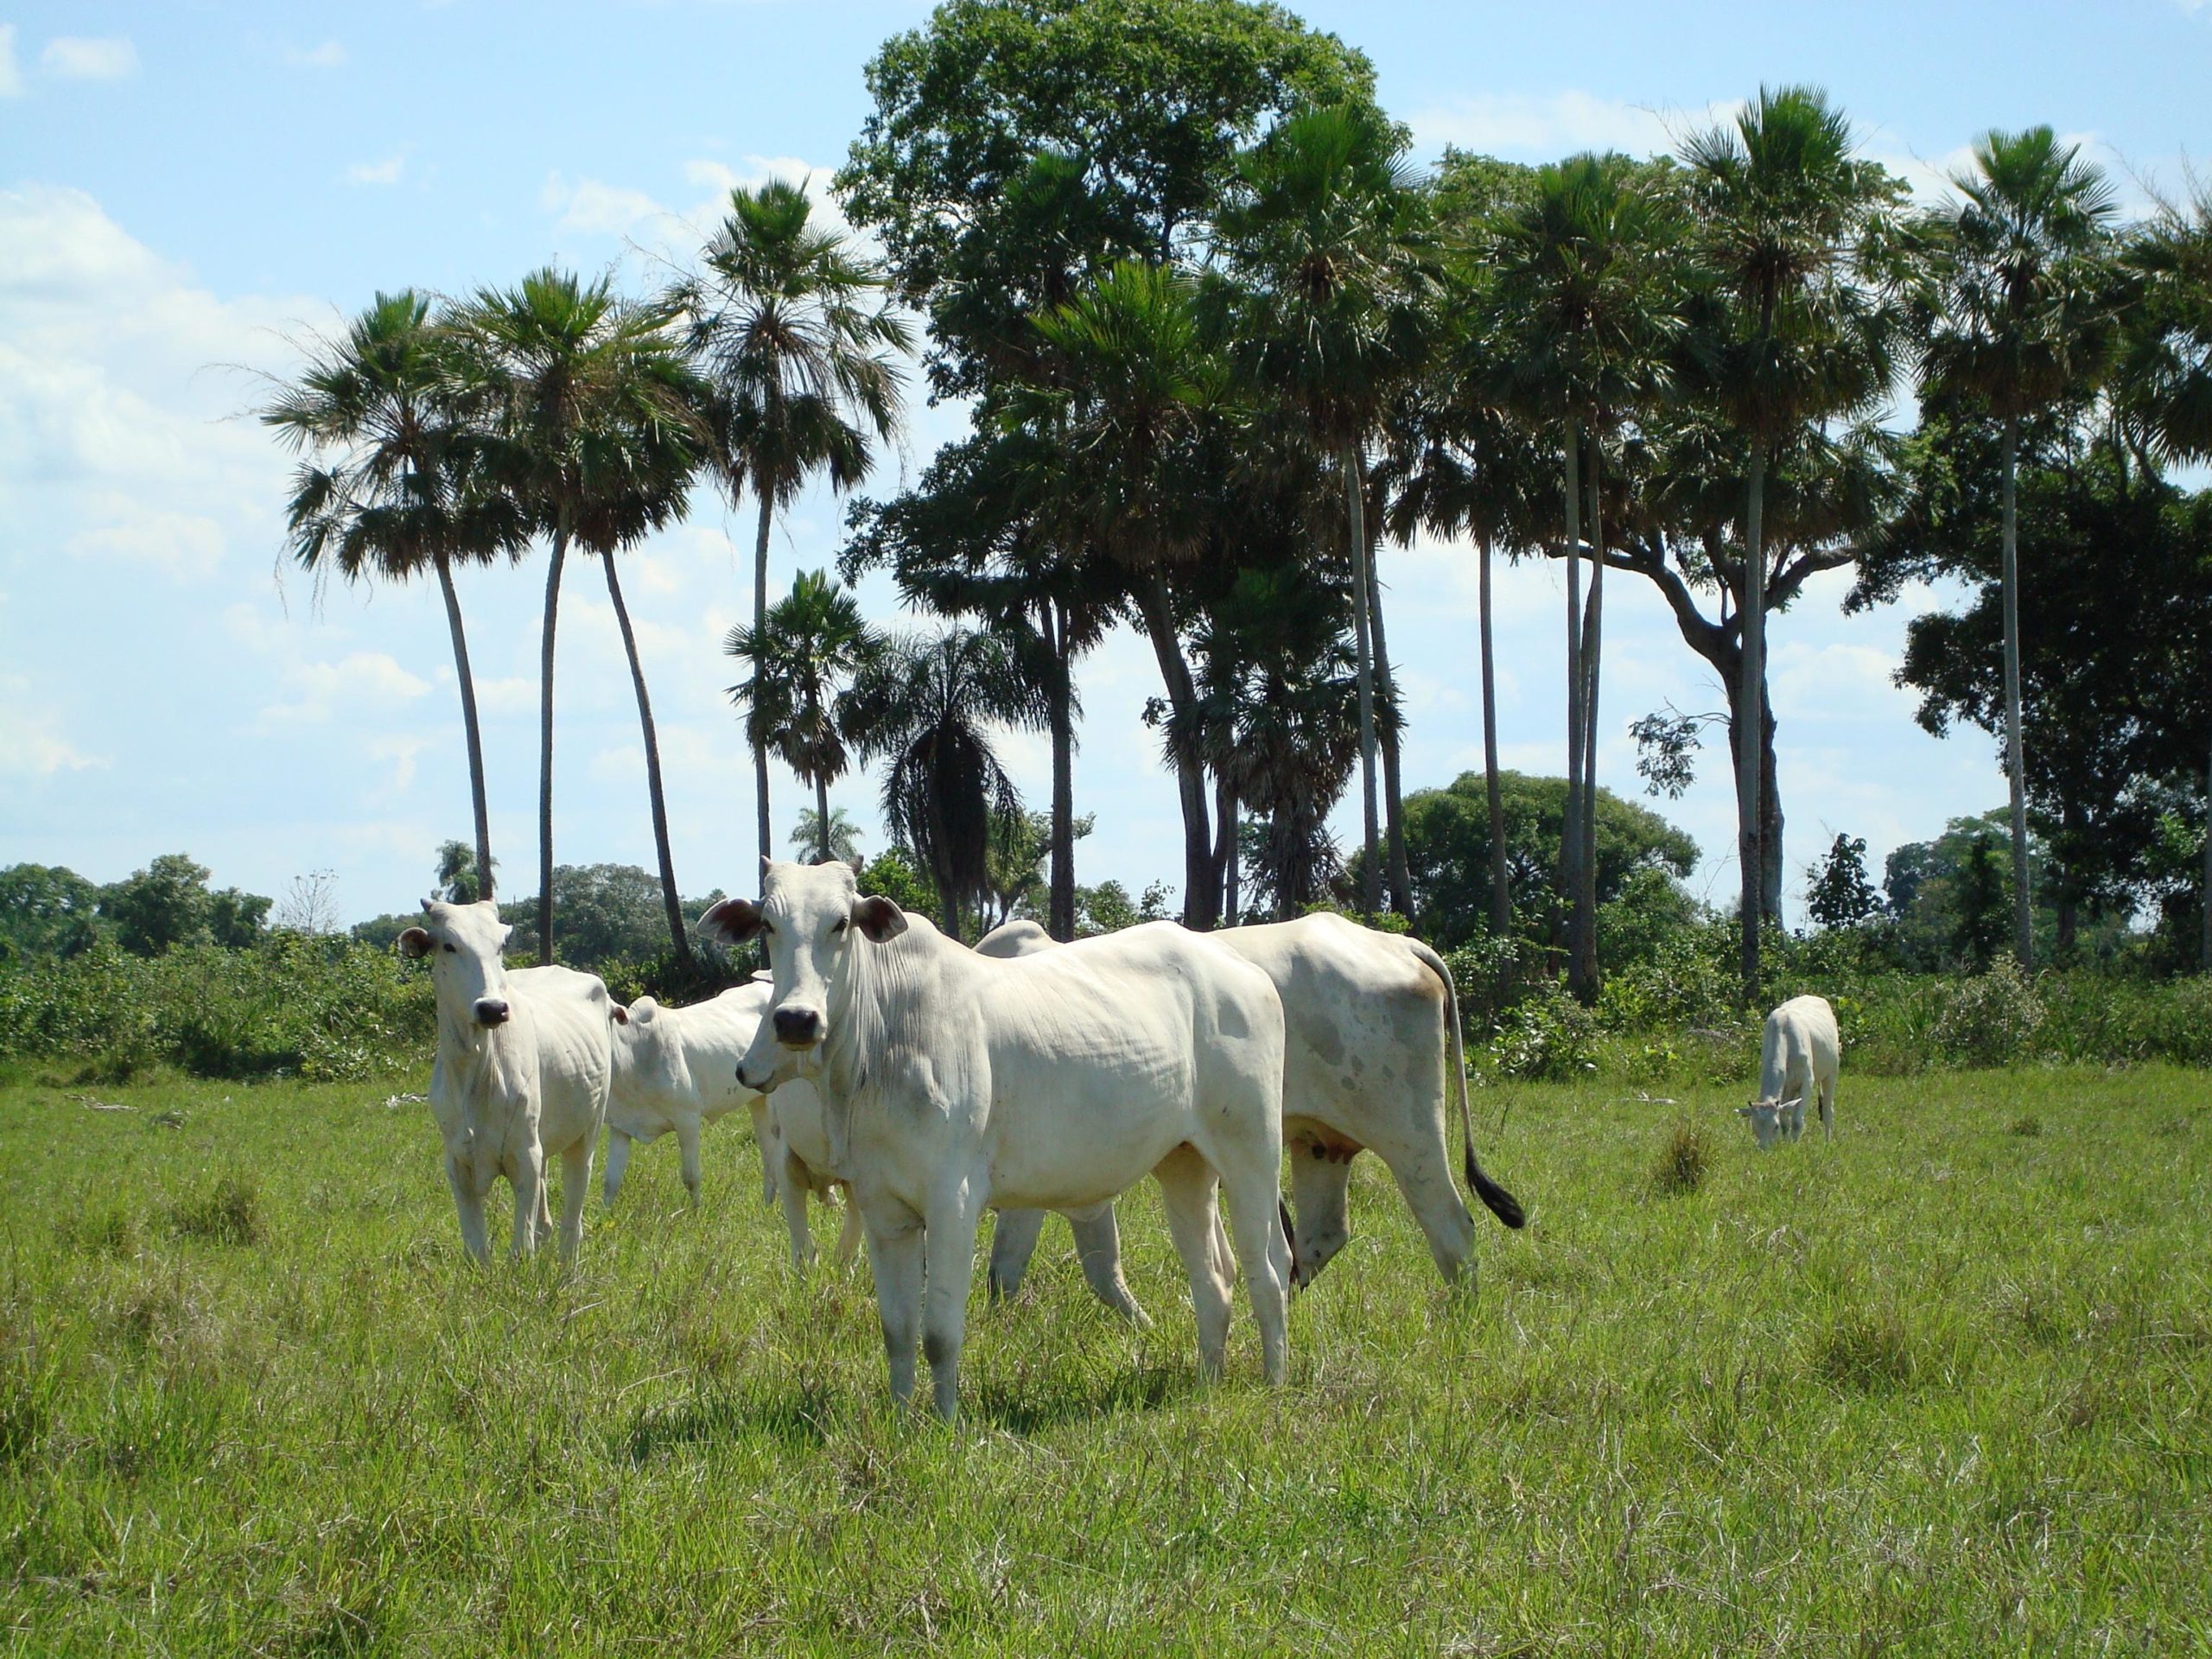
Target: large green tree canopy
{"points": [[1447, 847], [1016, 145]]}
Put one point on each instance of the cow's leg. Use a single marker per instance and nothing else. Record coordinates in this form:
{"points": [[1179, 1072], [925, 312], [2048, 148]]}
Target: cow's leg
{"points": [[792, 1187], [954, 1216], [687, 1145], [526, 1173], [1098, 1247], [1186, 1192], [617, 1161], [1317, 1189], [1255, 1195], [1014, 1241], [760, 1110], [1827, 1107], [895, 1260], [468, 1202], [575, 1187], [848, 1236]]}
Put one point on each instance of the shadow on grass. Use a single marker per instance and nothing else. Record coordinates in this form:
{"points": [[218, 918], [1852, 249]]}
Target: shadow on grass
{"points": [[1033, 1404], [792, 1418]]}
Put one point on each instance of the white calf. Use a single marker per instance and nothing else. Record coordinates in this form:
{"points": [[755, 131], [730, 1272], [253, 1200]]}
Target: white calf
{"points": [[1798, 1054], [522, 1072]]}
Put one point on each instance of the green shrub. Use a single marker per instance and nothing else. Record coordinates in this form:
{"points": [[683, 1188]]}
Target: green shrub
{"points": [[1548, 1038], [1992, 1018]]}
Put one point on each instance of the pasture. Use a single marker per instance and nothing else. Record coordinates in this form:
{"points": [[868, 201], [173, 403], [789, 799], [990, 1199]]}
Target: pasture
{"points": [[1938, 1388]]}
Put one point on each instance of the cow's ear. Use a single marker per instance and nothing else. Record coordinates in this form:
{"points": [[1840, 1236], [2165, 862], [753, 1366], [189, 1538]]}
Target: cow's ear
{"points": [[621, 1015], [879, 918], [505, 934], [733, 921], [414, 943], [859, 868], [1745, 1111]]}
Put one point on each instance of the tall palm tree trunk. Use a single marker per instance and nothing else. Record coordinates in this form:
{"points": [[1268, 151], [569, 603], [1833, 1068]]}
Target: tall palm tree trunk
{"points": [[1570, 852], [545, 743], [2016, 778], [760, 631], [469, 725], [821, 816], [1500, 902], [1199, 893], [1059, 909], [1371, 869], [673, 905], [1394, 799], [1225, 811], [1751, 729], [1586, 868], [2207, 866]]}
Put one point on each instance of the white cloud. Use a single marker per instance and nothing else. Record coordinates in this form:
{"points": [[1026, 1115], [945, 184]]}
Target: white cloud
{"points": [[400, 752], [31, 743], [328, 55], [187, 546], [386, 171], [1528, 126], [594, 208], [11, 77], [365, 680], [80, 57]]}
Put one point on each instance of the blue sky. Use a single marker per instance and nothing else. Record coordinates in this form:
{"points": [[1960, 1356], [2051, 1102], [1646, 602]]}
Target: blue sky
{"points": [[185, 190]]}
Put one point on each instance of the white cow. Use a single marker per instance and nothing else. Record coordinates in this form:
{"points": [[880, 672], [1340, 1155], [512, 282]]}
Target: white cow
{"points": [[955, 1082], [522, 1072], [676, 1071], [1798, 1053], [1372, 1047]]}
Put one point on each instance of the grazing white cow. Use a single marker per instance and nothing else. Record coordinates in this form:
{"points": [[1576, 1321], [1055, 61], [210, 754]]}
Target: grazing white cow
{"points": [[1798, 1053], [1371, 1028], [955, 1082], [522, 1067]]}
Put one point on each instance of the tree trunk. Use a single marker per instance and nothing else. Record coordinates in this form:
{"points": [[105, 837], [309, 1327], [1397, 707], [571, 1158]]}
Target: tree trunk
{"points": [[1371, 869], [1769, 815], [473, 730], [670, 901], [545, 744], [1060, 905], [1198, 892], [1585, 973], [1394, 799], [1570, 853], [1501, 901], [821, 818], [1751, 730], [760, 631], [2016, 778], [1224, 852]]}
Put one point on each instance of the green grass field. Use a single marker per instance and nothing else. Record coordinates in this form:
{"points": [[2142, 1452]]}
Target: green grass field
{"points": [[1938, 1388]]}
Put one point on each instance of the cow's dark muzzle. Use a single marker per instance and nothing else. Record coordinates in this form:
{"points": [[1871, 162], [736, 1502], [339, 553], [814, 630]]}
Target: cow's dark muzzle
{"points": [[491, 1011], [798, 1027]]}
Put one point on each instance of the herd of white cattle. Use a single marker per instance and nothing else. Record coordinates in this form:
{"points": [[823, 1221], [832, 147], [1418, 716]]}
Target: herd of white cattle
{"points": [[930, 1082]]}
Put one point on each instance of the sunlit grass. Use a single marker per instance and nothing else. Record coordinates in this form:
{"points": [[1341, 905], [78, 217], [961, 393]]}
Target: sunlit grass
{"points": [[1938, 1386]]}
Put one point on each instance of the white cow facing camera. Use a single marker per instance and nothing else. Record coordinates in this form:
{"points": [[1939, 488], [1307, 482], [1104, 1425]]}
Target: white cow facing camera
{"points": [[1798, 1056], [522, 1072]]}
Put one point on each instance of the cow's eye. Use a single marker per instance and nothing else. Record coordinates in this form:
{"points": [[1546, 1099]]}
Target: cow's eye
{"points": [[836, 929], [449, 950]]}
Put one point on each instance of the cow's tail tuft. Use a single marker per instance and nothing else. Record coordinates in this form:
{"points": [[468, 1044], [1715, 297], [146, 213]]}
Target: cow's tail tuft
{"points": [[1500, 1203]]}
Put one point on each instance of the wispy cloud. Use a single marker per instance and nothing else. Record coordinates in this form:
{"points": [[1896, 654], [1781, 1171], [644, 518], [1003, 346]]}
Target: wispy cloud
{"points": [[82, 57], [11, 77], [1525, 126], [328, 55], [386, 171], [595, 208], [31, 742]]}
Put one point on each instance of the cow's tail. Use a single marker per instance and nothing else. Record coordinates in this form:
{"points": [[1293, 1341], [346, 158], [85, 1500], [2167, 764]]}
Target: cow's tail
{"points": [[1501, 1203]]}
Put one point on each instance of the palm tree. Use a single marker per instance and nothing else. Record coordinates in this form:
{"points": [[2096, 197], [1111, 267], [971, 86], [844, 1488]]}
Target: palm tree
{"points": [[1327, 232], [788, 324], [1783, 216], [799, 697], [598, 439], [401, 482], [1584, 311], [1138, 395], [2166, 377], [926, 705], [842, 839], [2022, 319]]}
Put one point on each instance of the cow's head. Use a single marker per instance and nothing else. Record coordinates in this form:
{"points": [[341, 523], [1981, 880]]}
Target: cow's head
{"points": [[463, 943], [1766, 1117], [813, 918]]}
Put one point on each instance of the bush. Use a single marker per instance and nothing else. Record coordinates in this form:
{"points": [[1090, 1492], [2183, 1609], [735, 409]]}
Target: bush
{"points": [[1548, 1038], [1992, 1018]]}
